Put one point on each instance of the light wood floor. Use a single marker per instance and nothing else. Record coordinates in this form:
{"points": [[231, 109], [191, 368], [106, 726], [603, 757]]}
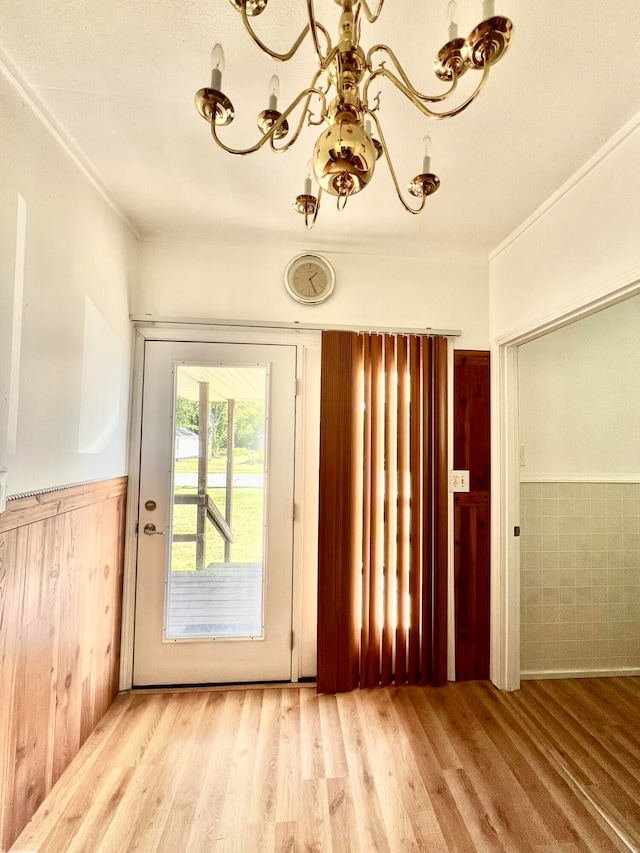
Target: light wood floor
{"points": [[463, 768]]}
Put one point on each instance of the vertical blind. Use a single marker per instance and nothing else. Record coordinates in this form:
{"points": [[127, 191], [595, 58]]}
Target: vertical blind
{"points": [[382, 550]]}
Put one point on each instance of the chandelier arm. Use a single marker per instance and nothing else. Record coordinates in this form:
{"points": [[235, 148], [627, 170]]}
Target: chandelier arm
{"points": [[326, 62], [432, 99], [276, 125], [393, 172], [382, 72], [309, 225], [312, 90], [372, 17], [285, 57], [314, 26]]}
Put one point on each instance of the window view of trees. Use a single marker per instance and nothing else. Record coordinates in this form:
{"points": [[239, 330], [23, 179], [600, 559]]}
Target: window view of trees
{"points": [[249, 424]]}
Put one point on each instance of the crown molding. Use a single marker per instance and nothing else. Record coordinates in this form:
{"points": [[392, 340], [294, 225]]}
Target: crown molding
{"points": [[617, 139]]}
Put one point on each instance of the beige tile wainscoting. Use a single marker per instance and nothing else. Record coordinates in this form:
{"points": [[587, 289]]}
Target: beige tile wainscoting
{"points": [[580, 591]]}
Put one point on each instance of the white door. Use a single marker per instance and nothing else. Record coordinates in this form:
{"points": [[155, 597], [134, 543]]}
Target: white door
{"points": [[215, 522]]}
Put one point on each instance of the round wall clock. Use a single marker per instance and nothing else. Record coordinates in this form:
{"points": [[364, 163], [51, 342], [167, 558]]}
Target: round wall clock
{"points": [[309, 278]]}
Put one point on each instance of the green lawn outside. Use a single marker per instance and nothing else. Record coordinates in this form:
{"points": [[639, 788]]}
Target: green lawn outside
{"points": [[244, 462], [246, 526]]}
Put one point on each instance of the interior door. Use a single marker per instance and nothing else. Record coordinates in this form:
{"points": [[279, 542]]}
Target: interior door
{"points": [[215, 523]]}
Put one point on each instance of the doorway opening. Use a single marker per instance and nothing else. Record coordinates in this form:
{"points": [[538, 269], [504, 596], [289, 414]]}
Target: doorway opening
{"points": [[506, 504]]}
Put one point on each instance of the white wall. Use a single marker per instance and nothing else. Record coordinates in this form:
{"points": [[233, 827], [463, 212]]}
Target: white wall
{"points": [[204, 281], [65, 346], [580, 246], [181, 280], [578, 251], [579, 400]]}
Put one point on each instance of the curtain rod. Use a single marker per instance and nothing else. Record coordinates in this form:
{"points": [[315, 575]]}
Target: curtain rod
{"points": [[147, 320]]}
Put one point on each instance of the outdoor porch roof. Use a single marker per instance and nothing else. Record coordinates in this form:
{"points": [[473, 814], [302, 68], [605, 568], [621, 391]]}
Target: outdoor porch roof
{"points": [[226, 382]]}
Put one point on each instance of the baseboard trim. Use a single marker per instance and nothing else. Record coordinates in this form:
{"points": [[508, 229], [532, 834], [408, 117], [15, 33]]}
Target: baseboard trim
{"points": [[222, 688], [537, 675]]}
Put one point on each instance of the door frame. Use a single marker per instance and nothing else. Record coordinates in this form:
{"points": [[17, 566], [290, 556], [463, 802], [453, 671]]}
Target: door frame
{"points": [[505, 486], [304, 341]]}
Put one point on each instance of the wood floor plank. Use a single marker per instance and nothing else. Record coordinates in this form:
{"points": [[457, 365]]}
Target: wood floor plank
{"points": [[182, 813], [394, 813], [314, 827], [255, 837], [488, 772], [369, 822], [335, 759], [572, 730], [434, 732], [342, 818], [241, 773], [459, 769], [555, 703], [596, 715], [285, 839], [545, 787], [311, 734], [404, 799], [580, 763], [562, 807], [139, 820], [477, 821], [289, 761], [428, 767], [263, 801], [212, 787], [622, 807], [103, 806]]}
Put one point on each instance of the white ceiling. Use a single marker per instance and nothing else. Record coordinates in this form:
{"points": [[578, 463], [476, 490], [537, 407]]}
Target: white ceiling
{"points": [[119, 79]]}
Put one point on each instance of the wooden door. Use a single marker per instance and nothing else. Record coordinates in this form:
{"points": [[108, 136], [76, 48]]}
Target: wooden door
{"points": [[472, 513]]}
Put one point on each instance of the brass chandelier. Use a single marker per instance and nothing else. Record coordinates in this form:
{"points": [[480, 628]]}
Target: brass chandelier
{"points": [[345, 153]]}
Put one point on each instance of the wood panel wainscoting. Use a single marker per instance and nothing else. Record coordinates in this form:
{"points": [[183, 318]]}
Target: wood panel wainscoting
{"points": [[459, 769], [471, 512], [61, 565]]}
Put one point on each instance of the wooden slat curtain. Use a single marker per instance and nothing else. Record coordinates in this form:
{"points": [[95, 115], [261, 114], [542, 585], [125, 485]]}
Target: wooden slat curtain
{"points": [[382, 551]]}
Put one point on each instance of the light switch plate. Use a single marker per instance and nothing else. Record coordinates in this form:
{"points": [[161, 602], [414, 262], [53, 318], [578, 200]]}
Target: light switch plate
{"points": [[458, 481]]}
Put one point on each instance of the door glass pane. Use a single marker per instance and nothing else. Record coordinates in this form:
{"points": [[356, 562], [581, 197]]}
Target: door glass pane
{"points": [[216, 571]]}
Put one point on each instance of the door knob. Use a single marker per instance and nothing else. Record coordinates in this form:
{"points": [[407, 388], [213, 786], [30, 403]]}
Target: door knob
{"points": [[150, 530]]}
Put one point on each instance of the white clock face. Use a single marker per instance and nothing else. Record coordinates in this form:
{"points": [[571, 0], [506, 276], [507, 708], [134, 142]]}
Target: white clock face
{"points": [[309, 279]]}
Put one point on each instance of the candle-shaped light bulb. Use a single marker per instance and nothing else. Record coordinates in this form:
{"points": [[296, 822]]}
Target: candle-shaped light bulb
{"points": [[488, 9], [217, 67], [426, 158], [274, 92], [452, 16], [367, 127], [307, 178]]}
